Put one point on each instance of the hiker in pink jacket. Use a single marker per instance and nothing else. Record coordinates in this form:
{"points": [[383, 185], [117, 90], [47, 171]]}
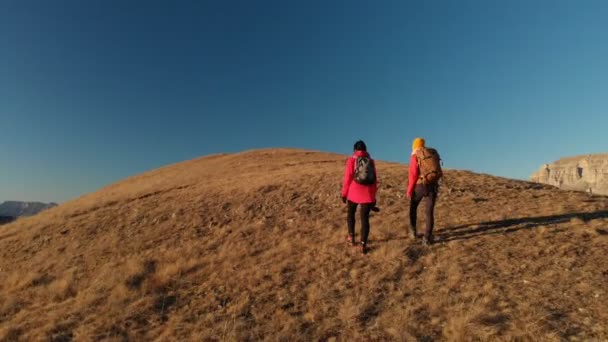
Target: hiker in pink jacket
{"points": [[359, 188]]}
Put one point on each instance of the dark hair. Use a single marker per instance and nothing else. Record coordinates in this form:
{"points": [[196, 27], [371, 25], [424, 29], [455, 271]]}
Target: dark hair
{"points": [[360, 146]]}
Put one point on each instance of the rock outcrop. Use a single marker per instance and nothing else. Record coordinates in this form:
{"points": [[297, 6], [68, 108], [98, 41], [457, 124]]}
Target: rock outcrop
{"points": [[582, 173]]}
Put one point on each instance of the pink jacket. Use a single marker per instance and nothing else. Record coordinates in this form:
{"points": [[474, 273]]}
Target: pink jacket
{"points": [[413, 175], [354, 191]]}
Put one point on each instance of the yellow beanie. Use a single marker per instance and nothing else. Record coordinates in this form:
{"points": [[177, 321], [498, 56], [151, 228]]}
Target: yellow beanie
{"points": [[418, 142]]}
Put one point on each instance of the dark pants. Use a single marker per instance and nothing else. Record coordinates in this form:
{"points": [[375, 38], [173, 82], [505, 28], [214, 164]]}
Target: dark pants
{"points": [[428, 194], [350, 219]]}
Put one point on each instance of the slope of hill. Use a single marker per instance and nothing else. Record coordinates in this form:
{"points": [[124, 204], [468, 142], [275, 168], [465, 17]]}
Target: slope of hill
{"points": [[18, 209], [250, 246]]}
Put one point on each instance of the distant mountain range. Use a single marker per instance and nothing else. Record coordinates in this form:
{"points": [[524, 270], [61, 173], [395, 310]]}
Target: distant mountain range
{"points": [[16, 209], [6, 219]]}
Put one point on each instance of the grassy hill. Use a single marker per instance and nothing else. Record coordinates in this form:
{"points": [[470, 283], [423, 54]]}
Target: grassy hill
{"points": [[250, 246]]}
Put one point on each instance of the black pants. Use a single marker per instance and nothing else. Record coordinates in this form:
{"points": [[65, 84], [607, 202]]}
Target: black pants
{"points": [[428, 194], [350, 219]]}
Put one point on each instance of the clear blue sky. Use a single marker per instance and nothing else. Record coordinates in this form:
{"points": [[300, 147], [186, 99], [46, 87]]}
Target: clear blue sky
{"points": [[94, 91]]}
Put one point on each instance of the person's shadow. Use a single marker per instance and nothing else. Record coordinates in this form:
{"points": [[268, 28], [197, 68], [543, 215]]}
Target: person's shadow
{"points": [[468, 231]]}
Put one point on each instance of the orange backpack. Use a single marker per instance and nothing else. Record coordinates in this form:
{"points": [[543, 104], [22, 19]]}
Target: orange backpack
{"points": [[429, 164]]}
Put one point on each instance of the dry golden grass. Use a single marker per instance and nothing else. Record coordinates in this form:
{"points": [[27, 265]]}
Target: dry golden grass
{"points": [[250, 246]]}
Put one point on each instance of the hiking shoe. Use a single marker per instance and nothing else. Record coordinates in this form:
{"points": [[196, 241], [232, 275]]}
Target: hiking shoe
{"points": [[350, 240], [363, 248], [412, 233], [427, 241]]}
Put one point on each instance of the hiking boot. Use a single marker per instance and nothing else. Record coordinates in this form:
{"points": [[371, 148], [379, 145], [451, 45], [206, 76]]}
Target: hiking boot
{"points": [[363, 248], [428, 241], [350, 240], [412, 233]]}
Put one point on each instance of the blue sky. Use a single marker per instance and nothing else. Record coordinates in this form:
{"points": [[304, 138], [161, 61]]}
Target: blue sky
{"points": [[94, 91]]}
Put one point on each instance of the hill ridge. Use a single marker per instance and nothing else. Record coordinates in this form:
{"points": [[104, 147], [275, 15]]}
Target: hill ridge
{"points": [[251, 246]]}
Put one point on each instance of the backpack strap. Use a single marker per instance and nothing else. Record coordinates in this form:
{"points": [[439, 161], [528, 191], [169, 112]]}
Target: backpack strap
{"points": [[419, 158]]}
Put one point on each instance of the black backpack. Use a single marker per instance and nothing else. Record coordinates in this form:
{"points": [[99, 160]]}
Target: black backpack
{"points": [[365, 173]]}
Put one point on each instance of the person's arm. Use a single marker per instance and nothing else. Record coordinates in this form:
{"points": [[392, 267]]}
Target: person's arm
{"points": [[414, 173], [348, 178]]}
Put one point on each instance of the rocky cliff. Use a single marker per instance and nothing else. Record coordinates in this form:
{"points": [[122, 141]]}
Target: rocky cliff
{"points": [[583, 173]]}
